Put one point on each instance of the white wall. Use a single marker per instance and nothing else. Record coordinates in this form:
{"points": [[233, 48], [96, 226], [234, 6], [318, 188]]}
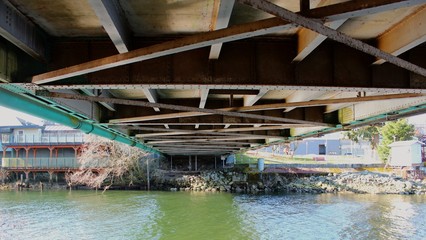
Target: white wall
{"points": [[405, 155]]}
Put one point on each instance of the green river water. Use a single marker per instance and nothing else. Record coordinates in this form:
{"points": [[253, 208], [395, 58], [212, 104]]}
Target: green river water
{"points": [[198, 215]]}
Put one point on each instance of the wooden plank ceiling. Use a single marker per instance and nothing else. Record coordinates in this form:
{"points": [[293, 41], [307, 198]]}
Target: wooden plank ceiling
{"points": [[210, 77]]}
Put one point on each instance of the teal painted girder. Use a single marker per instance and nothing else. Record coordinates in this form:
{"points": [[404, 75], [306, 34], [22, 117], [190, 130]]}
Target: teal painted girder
{"points": [[23, 101], [358, 123]]}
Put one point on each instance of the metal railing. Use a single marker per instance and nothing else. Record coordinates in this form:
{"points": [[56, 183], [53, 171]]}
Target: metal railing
{"points": [[50, 163], [40, 163], [44, 139]]}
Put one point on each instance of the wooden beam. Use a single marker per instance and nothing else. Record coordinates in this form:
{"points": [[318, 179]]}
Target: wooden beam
{"points": [[332, 34], [221, 16], [114, 22], [404, 36], [174, 107], [233, 33], [269, 107]]}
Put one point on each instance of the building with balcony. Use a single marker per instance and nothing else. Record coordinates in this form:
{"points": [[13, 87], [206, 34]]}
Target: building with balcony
{"points": [[32, 148]]}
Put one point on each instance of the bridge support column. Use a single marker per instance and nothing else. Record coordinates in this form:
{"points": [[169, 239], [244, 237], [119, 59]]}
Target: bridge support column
{"points": [[171, 163], [196, 163]]}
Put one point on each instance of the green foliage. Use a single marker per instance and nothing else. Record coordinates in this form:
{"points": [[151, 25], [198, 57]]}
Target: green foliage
{"points": [[399, 130], [366, 133]]}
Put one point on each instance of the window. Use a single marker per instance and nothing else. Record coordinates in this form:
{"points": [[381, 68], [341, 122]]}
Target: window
{"points": [[5, 138], [20, 136]]}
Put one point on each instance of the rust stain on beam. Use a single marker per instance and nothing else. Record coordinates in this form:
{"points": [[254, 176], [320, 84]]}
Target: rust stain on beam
{"points": [[177, 107], [179, 132], [406, 35], [331, 13], [201, 140], [332, 34], [207, 143], [167, 48], [314, 103]]}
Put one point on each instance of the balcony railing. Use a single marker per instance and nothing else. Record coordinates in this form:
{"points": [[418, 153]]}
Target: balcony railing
{"points": [[49, 163], [51, 139], [39, 163]]}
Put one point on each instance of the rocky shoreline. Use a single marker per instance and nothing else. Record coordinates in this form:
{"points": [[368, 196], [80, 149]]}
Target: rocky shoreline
{"points": [[358, 182], [32, 186], [266, 183]]}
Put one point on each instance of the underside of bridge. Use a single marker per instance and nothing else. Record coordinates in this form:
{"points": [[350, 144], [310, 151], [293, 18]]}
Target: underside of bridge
{"points": [[211, 77]]}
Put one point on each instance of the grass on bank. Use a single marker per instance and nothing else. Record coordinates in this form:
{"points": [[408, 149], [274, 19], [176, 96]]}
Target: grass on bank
{"points": [[251, 158]]}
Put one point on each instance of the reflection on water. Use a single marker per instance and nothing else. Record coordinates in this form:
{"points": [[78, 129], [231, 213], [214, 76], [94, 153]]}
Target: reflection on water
{"points": [[328, 216], [194, 215]]}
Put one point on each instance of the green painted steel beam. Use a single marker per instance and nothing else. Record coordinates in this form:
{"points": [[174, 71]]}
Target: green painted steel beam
{"points": [[36, 108], [374, 119]]}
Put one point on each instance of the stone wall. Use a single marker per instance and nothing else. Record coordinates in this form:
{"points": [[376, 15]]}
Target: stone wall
{"points": [[239, 182]]}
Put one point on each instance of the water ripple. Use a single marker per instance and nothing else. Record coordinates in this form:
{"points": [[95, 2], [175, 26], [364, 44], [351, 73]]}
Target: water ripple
{"points": [[182, 215]]}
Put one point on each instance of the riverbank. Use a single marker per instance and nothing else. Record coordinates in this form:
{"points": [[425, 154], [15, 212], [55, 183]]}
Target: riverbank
{"points": [[33, 186], [358, 182], [266, 183]]}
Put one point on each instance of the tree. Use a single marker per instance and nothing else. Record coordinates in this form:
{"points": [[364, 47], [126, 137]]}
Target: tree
{"points": [[394, 131], [366, 133], [102, 160]]}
